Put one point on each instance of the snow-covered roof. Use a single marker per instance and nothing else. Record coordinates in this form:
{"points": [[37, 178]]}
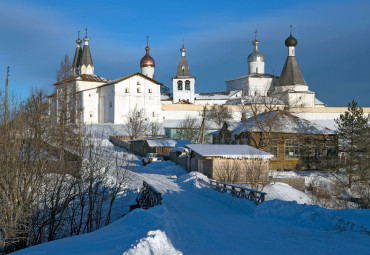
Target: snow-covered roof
{"points": [[216, 95], [166, 96], [176, 123], [231, 125], [167, 143], [255, 75], [318, 102], [229, 151], [281, 123]]}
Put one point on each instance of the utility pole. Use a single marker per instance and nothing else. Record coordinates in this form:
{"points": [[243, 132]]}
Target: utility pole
{"points": [[202, 130], [6, 99]]}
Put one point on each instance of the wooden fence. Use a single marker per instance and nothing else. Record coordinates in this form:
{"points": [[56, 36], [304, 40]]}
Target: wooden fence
{"points": [[148, 197], [255, 196]]}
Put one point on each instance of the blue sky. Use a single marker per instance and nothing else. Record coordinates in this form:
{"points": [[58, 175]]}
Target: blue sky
{"points": [[333, 48]]}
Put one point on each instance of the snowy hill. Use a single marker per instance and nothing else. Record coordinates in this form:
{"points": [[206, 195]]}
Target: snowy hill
{"points": [[195, 219]]}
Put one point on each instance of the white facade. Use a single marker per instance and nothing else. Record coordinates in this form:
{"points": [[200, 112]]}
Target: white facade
{"points": [[112, 102], [183, 89]]}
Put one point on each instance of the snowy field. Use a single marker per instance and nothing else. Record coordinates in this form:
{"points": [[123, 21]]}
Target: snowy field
{"points": [[195, 219]]}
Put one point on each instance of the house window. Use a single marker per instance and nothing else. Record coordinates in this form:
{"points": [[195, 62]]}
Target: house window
{"points": [[153, 114], [273, 148], [138, 90], [168, 132], [179, 85], [89, 95], [90, 115], [110, 103], [138, 83], [187, 85], [291, 148], [150, 90], [126, 90]]}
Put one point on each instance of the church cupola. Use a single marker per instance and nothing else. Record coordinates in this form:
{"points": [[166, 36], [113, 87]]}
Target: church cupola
{"points": [[291, 42], [77, 58], [147, 63], [256, 59], [86, 65]]}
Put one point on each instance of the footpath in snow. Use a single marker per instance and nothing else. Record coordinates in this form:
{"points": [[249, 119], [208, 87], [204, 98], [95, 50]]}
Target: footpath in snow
{"points": [[195, 219]]}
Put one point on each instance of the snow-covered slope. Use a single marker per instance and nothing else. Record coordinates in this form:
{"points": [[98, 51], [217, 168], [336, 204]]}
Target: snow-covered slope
{"points": [[195, 219]]}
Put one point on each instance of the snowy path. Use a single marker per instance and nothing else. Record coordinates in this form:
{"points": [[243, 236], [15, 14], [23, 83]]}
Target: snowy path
{"points": [[198, 220]]}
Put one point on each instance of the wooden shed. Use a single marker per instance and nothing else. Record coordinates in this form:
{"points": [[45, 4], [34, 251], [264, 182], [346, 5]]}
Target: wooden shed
{"points": [[143, 146], [230, 163]]}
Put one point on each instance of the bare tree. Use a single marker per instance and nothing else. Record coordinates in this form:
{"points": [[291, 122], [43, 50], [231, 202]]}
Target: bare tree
{"points": [[188, 129], [155, 128], [137, 123], [219, 114]]}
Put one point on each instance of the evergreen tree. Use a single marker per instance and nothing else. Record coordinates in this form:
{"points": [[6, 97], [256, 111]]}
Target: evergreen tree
{"points": [[354, 133]]}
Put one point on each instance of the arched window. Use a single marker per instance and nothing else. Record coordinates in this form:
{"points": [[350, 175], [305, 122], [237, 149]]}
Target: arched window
{"points": [[187, 85], [179, 85]]}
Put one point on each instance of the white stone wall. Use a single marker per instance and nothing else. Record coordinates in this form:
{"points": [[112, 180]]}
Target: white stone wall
{"points": [[140, 92], [89, 104], [257, 67], [253, 86], [87, 69]]}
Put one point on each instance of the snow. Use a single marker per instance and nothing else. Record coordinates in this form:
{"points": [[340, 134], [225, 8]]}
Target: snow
{"points": [[286, 123], [168, 143], [284, 192], [195, 219], [229, 151]]}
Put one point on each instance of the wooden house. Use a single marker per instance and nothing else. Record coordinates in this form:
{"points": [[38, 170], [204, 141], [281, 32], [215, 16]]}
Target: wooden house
{"points": [[296, 143]]}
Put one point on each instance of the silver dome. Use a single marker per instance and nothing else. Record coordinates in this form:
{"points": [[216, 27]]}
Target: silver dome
{"points": [[256, 55]]}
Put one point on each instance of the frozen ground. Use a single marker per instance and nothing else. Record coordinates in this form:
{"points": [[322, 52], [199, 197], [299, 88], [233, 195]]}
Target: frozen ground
{"points": [[195, 219]]}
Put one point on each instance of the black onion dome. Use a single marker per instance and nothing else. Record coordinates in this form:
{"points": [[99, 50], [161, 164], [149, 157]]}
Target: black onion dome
{"points": [[291, 41]]}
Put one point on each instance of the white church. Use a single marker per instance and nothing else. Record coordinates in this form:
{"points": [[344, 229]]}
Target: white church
{"points": [[110, 101]]}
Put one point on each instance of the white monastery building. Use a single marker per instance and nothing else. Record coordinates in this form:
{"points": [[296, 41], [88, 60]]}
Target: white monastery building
{"points": [[111, 101]]}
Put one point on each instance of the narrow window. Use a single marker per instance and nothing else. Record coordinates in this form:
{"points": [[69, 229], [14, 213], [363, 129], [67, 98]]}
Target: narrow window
{"points": [[153, 114], [126, 90], [179, 85], [317, 153], [110, 103], [150, 90], [187, 85], [138, 83], [138, 90], [90, 115], [89, 95]]}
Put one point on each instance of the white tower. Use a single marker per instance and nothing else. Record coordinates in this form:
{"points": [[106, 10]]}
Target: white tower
{"points": [[147, 63], [256, 60], [183, 85], [86, 65]]}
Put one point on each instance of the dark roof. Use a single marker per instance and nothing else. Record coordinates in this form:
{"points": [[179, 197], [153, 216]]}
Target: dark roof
{"points": [[183, 68], [129, 76], [291, 74], [77, 58], [86, 57], [83, 77]]}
